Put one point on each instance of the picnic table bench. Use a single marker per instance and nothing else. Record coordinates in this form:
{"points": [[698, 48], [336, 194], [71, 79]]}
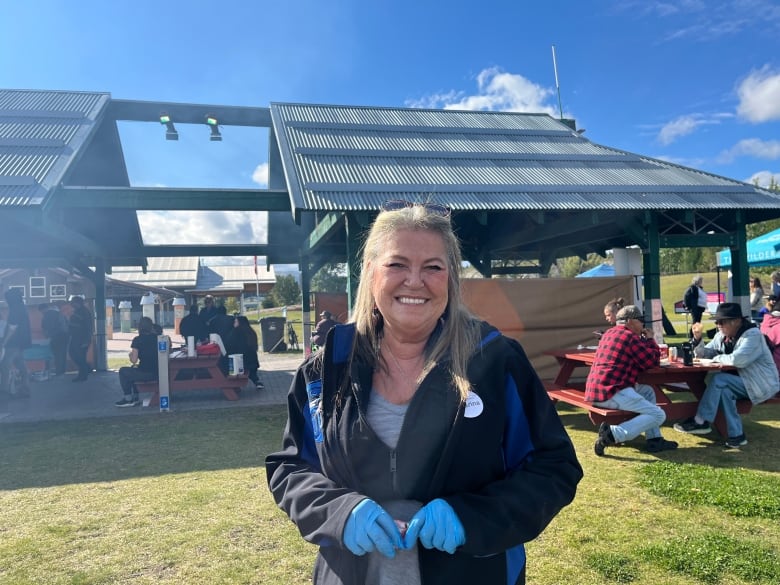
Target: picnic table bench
{"points": [[196, 373], [666, 380]]}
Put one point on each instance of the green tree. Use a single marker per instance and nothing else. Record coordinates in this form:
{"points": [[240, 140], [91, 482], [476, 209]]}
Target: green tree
{"points": [[286, 291], [574, 265], [331, 278], [232, 305]]}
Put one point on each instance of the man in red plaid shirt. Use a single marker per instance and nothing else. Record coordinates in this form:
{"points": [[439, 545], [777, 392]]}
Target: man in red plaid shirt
{"points": [[624, 351]]}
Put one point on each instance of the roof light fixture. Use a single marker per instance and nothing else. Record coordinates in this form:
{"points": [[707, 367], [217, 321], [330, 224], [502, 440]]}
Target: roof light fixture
{"points": [[170, 129], [213, 125]]}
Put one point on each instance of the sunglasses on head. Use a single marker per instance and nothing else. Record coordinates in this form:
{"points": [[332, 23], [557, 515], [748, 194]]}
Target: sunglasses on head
{"points": [[434, 208]]}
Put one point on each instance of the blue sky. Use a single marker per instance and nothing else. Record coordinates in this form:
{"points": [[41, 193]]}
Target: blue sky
{"points": [[693, 82]]}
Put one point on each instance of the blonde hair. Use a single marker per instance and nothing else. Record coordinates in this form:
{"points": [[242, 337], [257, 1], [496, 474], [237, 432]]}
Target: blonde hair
{"points": [[459, 335]]}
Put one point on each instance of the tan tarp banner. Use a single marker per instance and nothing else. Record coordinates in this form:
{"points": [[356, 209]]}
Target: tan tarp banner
{"points": [[544, 313]]}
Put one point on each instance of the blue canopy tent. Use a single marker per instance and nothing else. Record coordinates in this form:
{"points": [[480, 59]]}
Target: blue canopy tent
{"points": [[600, 270], [761, 251]]}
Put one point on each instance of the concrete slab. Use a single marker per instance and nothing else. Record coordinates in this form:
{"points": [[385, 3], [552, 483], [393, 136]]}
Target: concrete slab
{"points": [[59, 398]]}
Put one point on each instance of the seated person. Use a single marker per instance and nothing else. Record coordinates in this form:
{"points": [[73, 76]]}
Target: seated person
{"points": [[143, 356], [737, 343], [624, 351], [768, 307], [321, 330], [610, 313], [243, 339], [770, 327]]}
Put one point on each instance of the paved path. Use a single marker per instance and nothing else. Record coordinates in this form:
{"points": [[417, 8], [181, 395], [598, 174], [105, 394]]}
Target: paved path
{"points": [[59, 398]]}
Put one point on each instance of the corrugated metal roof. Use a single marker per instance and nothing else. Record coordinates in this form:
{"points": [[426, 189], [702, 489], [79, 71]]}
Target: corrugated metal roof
{"points": [[40, 134], [353, 158], [164, 272], [231, 277], [187, 273]]}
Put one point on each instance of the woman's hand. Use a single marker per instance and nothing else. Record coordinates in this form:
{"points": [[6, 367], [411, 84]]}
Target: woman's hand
{"points": [[437, 526], [370, 528]]}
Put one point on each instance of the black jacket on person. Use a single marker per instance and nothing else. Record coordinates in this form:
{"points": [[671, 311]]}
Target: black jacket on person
{"points": [[237, 341], [501, 459], [221, 324], [193, 326]]}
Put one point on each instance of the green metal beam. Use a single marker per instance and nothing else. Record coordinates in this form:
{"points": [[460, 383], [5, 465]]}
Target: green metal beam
{"points": [[154, 198], [323, 231], [140, 111], [176, 250], [696, 241]]}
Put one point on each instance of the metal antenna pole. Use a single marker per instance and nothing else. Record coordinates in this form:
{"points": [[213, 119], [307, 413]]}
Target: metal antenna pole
{"points": [[557, 86]]}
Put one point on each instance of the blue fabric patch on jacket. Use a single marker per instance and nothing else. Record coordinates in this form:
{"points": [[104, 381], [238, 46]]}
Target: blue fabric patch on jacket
{"points": [[314, 392]]}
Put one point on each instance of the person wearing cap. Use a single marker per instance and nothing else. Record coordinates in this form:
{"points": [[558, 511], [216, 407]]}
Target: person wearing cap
{"points": [[321, 330], [626, 350], [16, 338], [737, 343]]}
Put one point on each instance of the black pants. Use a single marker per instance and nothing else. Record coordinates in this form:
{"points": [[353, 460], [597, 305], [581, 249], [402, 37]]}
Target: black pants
{"points": [[59, 351], [78, 353], [129, 376]]}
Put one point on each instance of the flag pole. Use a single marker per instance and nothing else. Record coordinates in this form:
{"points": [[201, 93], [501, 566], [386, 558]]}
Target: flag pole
{"points": [[257, 291], [557, 85]]}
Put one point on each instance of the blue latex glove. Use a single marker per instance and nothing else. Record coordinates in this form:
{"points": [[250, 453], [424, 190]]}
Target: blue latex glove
{"points": [[437, 526], [370, 528]]}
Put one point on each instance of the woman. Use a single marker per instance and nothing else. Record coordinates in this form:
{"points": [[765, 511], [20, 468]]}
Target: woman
{"points": [[610, 313], [756, 297], [611, 310], [143, 356], [243, 339], [420, 445]]}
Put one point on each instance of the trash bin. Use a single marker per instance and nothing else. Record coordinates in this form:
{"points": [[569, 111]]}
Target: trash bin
{"points": [[272, 331]]}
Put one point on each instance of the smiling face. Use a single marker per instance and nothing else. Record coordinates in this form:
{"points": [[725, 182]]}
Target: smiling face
{"points": [[409, 285]]}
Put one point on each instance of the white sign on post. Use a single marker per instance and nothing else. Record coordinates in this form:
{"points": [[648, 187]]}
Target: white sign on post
{"points": [[163, 346]]}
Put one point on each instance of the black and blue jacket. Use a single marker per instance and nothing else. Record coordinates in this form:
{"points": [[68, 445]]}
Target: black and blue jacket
{"points": [[501, 459]]}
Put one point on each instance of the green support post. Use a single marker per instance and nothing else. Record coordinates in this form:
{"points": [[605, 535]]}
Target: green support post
{"points": [[353, 229], [740, 274], [651, 266]]}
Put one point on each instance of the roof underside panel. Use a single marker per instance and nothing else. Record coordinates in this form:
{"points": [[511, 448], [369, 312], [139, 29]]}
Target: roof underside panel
{"points": [[355, 158], [40, 134]]}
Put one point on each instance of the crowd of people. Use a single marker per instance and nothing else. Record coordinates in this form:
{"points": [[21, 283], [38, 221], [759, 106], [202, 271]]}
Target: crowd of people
{"points": [[67, 336]]}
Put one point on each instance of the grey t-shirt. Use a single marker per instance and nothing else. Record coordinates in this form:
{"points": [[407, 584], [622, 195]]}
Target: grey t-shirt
{"points": [[387, 419]]}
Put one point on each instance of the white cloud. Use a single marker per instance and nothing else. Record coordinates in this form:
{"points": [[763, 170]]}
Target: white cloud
{"points": [[764, 178], [755, 147], [496, 91], [260, 175], [677, 128], [759, 96], [684, 125], [203, 227]]}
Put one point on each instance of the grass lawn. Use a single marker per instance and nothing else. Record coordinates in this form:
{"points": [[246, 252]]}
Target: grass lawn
{"points": [[182, 498]]}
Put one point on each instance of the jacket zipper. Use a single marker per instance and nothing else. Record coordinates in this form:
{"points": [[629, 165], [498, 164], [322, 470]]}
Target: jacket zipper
{"points": [[393, 468]]}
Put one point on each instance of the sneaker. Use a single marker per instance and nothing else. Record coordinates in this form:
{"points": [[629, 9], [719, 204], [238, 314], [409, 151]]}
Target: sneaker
{"points": [[692, 427], [125, 402], [605, 439], [736, 442], [260, 386], [660, 444]]}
